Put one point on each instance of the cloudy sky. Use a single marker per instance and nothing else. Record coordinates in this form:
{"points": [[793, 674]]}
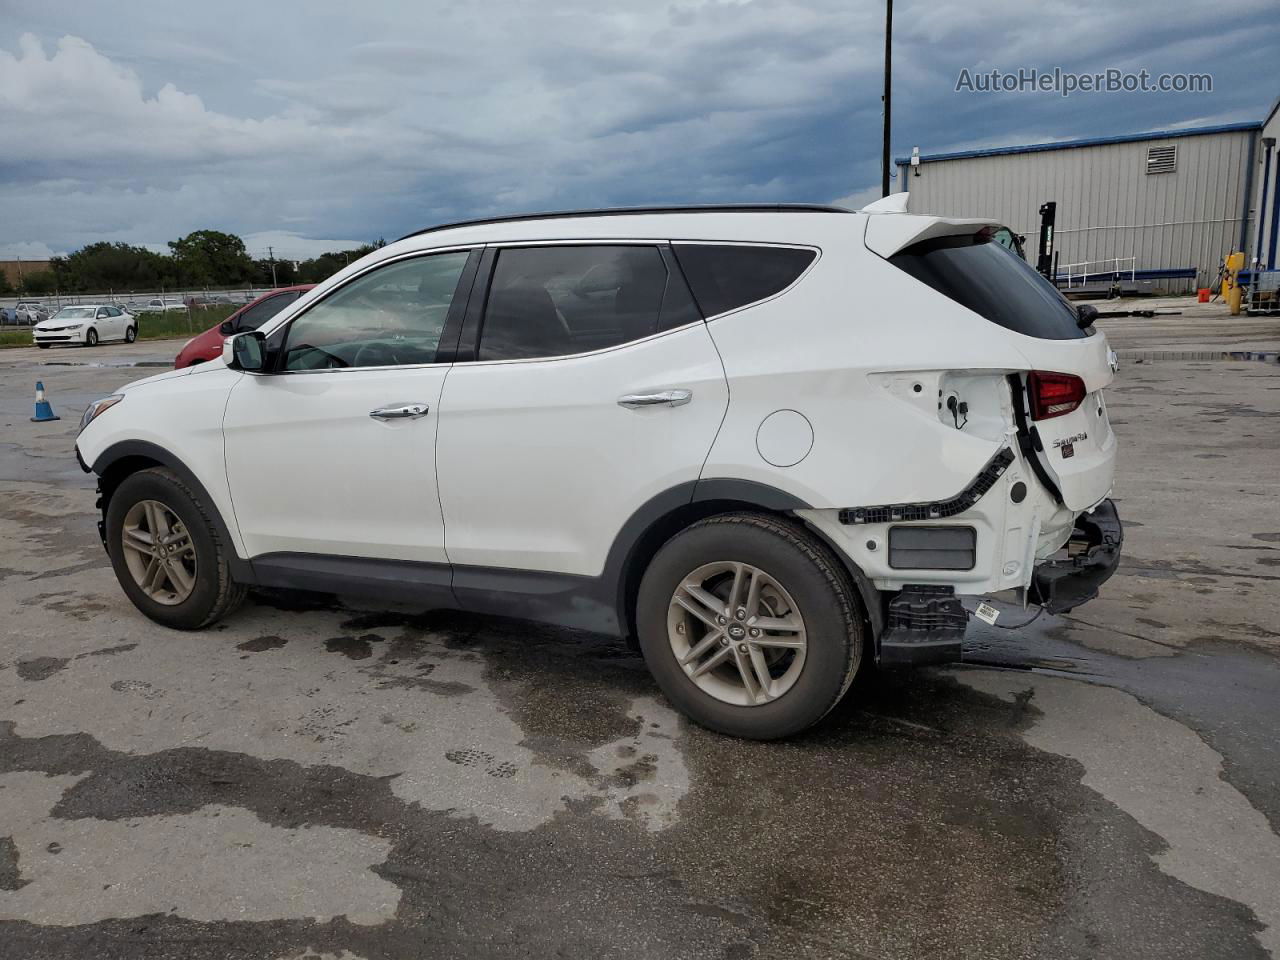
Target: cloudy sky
{"points": [[310, 126]]}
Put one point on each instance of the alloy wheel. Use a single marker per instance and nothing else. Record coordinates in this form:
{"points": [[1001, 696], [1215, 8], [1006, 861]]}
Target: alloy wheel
{"points": [[737, 633], [159, 552]]}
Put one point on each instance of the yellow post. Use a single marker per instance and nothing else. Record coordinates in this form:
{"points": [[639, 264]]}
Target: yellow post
{"points": [[1231, 291]]}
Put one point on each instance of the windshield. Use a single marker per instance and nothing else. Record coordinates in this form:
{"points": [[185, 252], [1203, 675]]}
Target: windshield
{"points": [[981, 272], [74, 313]]}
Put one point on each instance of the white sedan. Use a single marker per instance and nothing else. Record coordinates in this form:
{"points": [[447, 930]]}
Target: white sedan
{"points": [[86, 323]]}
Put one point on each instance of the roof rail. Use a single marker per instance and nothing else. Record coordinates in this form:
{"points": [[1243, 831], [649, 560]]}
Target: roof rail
{"points": [[628, 211]]}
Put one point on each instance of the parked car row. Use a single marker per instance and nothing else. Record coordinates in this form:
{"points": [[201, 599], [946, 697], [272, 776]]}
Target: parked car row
{"points": [[88, 324], [25, 313], [31, 312]]}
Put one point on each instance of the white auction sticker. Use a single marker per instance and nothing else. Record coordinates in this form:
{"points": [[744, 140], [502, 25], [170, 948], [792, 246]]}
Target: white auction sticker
{"points": [[987, 613]]}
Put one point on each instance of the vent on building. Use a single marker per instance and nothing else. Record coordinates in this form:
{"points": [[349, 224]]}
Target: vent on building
{"points": [[1162, 159]]}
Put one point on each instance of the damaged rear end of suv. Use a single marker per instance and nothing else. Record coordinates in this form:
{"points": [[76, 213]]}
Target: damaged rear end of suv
{"points": [[994, 385]]}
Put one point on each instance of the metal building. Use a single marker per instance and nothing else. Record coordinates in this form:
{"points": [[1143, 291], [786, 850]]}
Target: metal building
{"points": [[1264, 255], [1159, 209]]}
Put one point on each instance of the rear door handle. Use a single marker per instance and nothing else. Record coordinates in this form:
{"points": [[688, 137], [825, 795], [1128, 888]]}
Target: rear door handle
{"points": [[405, 411], [670, 398]]}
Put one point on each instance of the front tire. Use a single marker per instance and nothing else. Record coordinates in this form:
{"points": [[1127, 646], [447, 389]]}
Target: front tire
{"points": [[44, 346], [749, 625], [167, 554], [91, 337]]}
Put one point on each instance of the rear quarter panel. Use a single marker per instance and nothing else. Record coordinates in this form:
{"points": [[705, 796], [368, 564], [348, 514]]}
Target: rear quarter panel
{"points": [[822, 348]]}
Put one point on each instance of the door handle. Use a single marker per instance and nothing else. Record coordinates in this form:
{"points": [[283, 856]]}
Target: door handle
{"points": [[406, 411], [670, 398]]}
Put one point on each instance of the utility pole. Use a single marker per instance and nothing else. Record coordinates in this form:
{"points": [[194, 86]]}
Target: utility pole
{"points": [[272, 255], [888, 78]]}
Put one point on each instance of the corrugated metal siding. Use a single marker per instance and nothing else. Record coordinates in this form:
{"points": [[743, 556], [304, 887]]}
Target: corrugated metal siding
{"points": [[1264, 218], [1108, 205]]}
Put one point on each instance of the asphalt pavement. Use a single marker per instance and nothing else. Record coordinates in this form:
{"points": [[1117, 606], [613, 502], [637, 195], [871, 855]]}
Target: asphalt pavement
{"points": [[315, 777]]}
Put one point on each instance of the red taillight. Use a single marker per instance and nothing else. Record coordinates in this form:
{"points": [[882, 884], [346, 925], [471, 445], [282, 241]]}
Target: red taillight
{"points": [[1053, 394]]}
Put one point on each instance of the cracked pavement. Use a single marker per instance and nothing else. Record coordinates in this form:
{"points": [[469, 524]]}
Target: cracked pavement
{"points": [[317, 777]]}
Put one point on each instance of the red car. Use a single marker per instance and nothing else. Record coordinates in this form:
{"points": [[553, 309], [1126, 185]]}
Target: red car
{"points": [[208, 345]]}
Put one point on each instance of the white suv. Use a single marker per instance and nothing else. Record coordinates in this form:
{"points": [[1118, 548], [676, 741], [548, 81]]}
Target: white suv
{"points": [[770, 443]]}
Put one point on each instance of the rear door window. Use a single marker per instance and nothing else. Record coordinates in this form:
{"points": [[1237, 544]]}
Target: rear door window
{"points": [[979, 272], [556, 301], [724, 277]]}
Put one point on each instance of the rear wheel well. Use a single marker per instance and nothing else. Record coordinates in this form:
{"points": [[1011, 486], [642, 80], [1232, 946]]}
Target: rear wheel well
{"points": [[667, 526]]}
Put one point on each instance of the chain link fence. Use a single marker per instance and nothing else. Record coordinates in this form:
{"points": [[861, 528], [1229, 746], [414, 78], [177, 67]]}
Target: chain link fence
{"points": [[192, 301]]}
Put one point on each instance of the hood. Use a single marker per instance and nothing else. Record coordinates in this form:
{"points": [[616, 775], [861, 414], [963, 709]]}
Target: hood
{"points": [[167, 375]]}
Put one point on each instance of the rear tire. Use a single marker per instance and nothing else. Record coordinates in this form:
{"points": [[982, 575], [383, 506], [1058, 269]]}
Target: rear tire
{"points": [[91, 337], [812, 660], [130, 334], [213, 595]]}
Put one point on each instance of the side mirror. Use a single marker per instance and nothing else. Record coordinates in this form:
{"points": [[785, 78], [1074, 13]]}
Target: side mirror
{"points": [[1086, 314], [245, 351], [226, 328]]}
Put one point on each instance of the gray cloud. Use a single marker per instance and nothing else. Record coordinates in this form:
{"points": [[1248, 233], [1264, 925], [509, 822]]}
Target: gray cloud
{"points": [[328, 122]]}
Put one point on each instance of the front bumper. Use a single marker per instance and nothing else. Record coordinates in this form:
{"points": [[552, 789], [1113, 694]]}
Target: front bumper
{"points": [[926, 624]]}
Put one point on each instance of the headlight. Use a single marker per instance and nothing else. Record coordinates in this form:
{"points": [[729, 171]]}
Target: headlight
{"points": [[98, 407], [73, 326]]}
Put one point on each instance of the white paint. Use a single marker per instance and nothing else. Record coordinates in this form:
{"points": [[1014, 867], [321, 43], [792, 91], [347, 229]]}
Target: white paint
{"points": [[1165, 777], [218, 863]]}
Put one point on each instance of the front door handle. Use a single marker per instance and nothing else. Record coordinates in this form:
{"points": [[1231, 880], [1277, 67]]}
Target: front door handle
{"points": [[670, 398], [406, 411]]}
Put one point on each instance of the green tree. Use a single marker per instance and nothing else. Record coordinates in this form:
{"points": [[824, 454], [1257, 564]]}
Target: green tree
{"points": [[286, 274], [39, 283], [327, 264], [213, 258], [114, 266]]}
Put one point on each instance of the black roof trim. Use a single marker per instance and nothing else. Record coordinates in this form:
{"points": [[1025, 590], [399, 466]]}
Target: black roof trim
{"points": [[629, 211]]}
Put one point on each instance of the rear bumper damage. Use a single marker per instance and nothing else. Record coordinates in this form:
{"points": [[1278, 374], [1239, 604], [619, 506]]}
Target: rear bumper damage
{"points": [[926, 623], [1093, 553]]}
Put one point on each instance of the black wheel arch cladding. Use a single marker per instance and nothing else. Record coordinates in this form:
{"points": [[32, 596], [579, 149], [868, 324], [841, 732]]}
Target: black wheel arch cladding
{"points": [[121, 459]]}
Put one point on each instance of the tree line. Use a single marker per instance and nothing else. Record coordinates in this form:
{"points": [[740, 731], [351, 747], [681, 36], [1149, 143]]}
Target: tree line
{"points": [[205, 258]]}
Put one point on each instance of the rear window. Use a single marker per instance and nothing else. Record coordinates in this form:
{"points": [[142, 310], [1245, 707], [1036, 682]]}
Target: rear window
{"points": [[979, 272], [724, 277]]}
